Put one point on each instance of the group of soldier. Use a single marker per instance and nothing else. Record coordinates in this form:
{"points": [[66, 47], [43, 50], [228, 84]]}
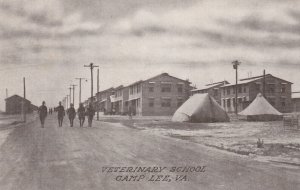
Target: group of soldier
{"points": [[71, 112]]}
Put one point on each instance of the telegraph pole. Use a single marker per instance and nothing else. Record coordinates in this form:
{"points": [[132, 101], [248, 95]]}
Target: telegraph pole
{"points": [[24, 105], [97, 93], [67, 101], [91, 66], [235, 64], [73, 88], [70, 95], [80, 87]]}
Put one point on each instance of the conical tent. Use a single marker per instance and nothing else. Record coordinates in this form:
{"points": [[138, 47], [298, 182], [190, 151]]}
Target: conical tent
{"points": [[261, 110], [200, 108]]}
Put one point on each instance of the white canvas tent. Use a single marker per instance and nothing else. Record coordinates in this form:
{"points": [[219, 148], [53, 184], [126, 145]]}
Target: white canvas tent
{"points": [[200, 108], [261, 110]]}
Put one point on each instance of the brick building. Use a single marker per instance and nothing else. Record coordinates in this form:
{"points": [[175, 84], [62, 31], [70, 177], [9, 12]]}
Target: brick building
{"points": [[213, 89], [277, 92], [159, 95]]}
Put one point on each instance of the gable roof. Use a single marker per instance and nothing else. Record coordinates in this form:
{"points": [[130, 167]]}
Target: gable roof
{"points": [[252, 79], [16, 96], [162, 74], [211, 85]]}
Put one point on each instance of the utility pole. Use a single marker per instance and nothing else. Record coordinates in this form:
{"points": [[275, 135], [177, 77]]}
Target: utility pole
{"points": [[70, 88], [264, 83], [97, 93], [80, 87], [91, 66], [68, 100], [24, 105], [6, 93], [235, 64], [73, 88]]}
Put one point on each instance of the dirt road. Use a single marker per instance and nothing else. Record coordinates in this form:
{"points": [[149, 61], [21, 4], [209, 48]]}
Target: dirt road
{"points": [[34, 158]]}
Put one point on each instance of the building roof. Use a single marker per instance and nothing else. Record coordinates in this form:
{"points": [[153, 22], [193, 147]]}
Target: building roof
{"points": [[211, 85], [16, 96], [162, 74], [252, 79]]}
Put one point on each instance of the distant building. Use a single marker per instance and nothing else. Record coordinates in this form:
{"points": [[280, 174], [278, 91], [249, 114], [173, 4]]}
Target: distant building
{"points": [[277, 92], [104, 100], [159, 95], [13, 105], [213, 89], [296, 101], [120, 100]]}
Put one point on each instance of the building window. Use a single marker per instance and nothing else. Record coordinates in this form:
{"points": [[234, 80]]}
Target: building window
{"points": [[216, 92], [166, 102], [224, 104], [228, 91], [282, 100], [283, 89], [240, 89], [245, 89], [151, 89], [180, 88], [257, 86], [228, 103], [151, 102], [166, 88], [271, 88], [224, 92], [138, 88]]}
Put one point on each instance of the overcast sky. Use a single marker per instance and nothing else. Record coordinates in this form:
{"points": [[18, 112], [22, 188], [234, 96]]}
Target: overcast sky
{"points": [[49, 41]]}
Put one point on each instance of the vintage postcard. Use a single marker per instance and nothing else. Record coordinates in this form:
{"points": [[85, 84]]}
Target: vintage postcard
{"points": [[149, 94]]}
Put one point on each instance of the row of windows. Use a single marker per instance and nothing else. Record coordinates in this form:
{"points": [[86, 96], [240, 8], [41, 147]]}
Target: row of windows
{"points": [[167, 88], [164, 102], [135, 89], [270, 88], [241, 89]]}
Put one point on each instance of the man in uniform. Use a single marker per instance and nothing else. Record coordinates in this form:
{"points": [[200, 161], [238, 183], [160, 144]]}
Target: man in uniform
{"points": [[60, 114], [90, 112], [71, 114], [43, 113], [81, 114]]}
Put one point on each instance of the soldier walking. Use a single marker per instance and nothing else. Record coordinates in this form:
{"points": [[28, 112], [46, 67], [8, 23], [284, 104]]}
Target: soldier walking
{"points": [[71, 114], [81, 114], [43, 113], [60, 114], [90, 112]]}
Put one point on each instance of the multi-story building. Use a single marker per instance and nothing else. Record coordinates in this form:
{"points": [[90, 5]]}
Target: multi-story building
{"points": [[104, 100], [213, 89], [277, 91], [159, 95], [120, 100]]}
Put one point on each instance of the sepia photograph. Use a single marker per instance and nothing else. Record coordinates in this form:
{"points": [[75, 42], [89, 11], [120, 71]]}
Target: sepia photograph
{"points": [[149, 95]]}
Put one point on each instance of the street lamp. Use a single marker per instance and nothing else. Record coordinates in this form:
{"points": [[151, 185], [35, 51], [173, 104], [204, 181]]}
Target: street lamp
{"points": [[235, 65]]}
